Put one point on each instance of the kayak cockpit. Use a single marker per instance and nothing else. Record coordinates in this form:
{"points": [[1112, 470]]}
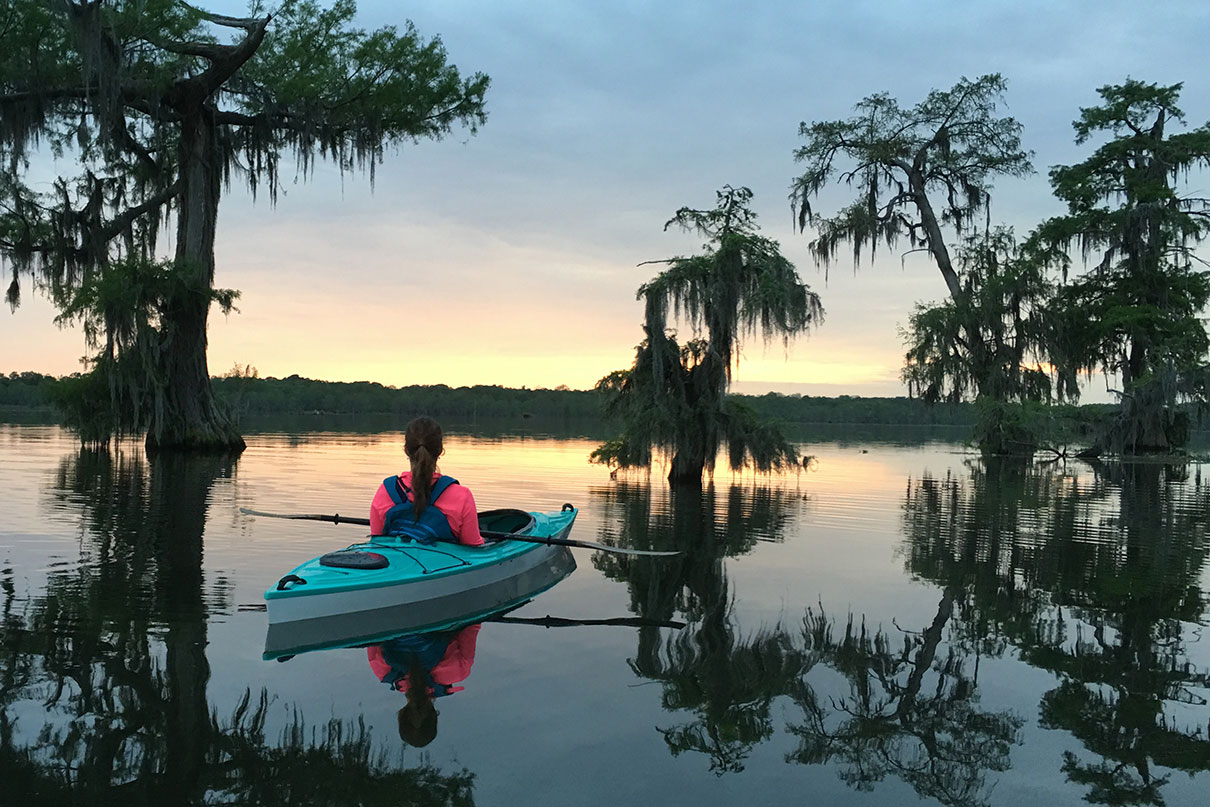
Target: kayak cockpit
{"points": [[505, 520]]}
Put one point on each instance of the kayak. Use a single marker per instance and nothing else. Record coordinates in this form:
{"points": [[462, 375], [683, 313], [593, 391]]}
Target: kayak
{"points": [[285, 640], [416, 586]]}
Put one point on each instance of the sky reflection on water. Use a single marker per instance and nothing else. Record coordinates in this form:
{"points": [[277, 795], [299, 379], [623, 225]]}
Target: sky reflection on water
{"points": [[901, 621]]}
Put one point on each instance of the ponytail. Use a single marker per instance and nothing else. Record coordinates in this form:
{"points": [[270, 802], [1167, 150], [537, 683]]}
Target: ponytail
{"points": [[423, 465], [422, 442]]}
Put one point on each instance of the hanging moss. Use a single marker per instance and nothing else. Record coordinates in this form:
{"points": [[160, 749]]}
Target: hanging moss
{"points": [[162, 105], [1135, 314], [673, 400]]}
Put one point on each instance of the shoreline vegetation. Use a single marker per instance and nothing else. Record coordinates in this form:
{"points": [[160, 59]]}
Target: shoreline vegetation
{"points": [[295, 395]]}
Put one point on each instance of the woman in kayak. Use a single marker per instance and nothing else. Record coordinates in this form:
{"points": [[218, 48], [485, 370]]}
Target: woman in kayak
{"points": [[420, 502], [424, 667]]}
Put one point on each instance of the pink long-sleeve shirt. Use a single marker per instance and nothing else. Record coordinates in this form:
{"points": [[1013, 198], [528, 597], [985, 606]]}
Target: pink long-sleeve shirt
{"points": [[453, 668], [456, 503]]}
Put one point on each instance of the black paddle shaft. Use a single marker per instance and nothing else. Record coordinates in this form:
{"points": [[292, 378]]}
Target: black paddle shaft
{"points": [[336, 518]]}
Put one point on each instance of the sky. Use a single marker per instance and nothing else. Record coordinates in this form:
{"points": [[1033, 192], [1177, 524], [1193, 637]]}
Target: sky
{"points": [[512, 256]]}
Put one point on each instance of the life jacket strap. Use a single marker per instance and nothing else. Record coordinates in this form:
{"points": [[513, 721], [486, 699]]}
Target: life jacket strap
{"points": [[399, 492]]}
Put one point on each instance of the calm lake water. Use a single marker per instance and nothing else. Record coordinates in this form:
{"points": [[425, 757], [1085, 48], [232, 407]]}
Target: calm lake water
{"points": [[901, 624]]}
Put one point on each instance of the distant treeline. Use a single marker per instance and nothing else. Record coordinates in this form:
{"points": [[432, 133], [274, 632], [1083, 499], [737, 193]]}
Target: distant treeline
{"points": [[275, 396], [25, 390], [295, 395], [251, 396]]}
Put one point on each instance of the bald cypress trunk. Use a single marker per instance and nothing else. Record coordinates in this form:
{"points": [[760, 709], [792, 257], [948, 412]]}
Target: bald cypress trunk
{"points": [[187, 416], [687, 468]]}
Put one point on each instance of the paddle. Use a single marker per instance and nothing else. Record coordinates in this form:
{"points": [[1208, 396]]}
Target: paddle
{"points": [[559, 622], [502, 536]]}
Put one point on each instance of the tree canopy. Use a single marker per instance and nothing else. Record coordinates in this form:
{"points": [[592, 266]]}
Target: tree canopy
{"points": [[1136, 313], [916, 170], [160, 108], [922, 174], [994, 343], [674, 396], [1005, 291]]}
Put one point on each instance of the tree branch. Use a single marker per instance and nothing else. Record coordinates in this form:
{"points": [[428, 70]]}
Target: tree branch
{"points": [[224, 64], [247, 23], [218, 73], [52, 94], [242, 119], [205, 50], [118, 224]]}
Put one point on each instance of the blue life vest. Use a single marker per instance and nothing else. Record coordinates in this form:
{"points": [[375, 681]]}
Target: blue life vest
{"points": [[431, 527], [427, 648]]}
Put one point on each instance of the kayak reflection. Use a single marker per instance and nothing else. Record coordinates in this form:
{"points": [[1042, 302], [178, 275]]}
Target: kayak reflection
{"points": [[424, 666]]}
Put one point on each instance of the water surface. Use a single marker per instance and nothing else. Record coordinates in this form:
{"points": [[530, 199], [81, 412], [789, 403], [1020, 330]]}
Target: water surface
{"points": [[903, 623]]}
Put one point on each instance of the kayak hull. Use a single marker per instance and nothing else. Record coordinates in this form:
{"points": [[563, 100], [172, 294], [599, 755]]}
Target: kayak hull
{"points": [[423, 586], [437, 613]]}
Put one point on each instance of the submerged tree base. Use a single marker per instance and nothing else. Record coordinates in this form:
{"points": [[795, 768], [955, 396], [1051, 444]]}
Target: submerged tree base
{"points": [[1143, 426], [189, 418], [1061, 432], [1009, 429], [198, 441], [101, 405], [686, 474]]}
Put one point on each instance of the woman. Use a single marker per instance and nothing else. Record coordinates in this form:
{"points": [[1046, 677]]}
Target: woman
{"points": [[420, 502]]}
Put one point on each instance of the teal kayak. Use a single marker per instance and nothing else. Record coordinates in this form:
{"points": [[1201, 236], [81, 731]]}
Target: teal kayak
{"points": [[425, 585]]}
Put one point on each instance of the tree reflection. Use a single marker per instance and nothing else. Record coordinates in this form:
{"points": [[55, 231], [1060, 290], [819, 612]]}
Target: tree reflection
{"points": [[1095, 580], [911, 711], [727, 680], [103, 676]]}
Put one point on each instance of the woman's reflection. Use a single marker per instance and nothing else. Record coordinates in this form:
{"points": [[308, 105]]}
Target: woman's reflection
{"points": [[424, 666]]}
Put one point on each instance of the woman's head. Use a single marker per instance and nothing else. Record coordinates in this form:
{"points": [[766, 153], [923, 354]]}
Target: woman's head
{"points": [[418, 717], [418, 722], [422, 443]]}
